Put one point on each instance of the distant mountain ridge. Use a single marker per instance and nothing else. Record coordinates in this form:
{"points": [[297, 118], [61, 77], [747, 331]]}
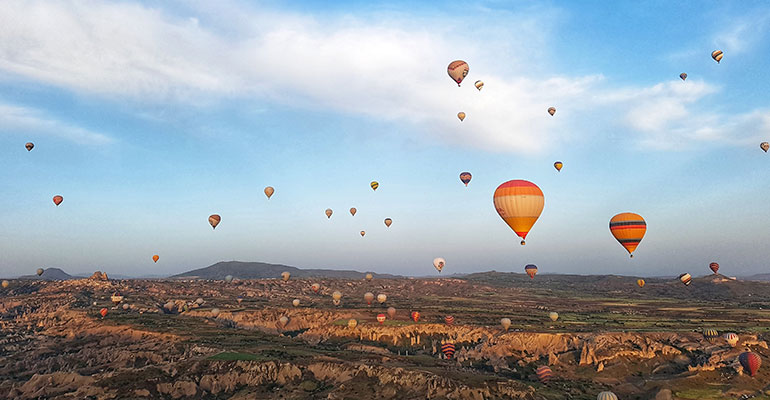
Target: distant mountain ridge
{"points": [[258, 270], [52, 274]]}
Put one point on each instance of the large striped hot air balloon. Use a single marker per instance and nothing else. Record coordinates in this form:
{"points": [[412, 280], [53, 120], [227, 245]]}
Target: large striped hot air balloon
{"points": [[606, 396], [714, 267], [717, 55], [685, 278], [731, 338], [628, 229], [458, 70], [519, 204], [750, 362], [415, 316], [710, 334], [448, 349], [450, 320], [531, 270], [465, 177], [640, 282], [544, 373]]}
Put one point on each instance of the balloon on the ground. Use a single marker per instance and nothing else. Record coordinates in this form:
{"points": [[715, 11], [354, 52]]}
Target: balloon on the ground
{"points": [[519, 204]]}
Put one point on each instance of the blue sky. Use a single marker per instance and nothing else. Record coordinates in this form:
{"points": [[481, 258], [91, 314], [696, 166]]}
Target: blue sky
{"points": [[149, 118]]}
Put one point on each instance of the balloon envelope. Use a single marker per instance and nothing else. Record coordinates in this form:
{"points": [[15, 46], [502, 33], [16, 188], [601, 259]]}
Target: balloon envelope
{"points": [[382, 298], [352, 323], [628, 229], [57, 199], [353, 211], [717, 55], [683, 76], [506, 323], [329, 212], [764, 146], [39, 271], [363, 233], [284, 320], [228, 278], [551, 110], [465, 177], [439, 263], [103, 312], [155, 258], [315, 287], [6, 284], [285, 275], [731, 338], [519, 204], [214, 220], [374, 185], [714, 267], [640, 282], [336, 295], [606, 396], [295, 302], [448, 349], [461, 116], [457, 70], [479, 85], [381, 318], [558, 165], [750, 362], [369, 277], [449, 320], [269, 191], [686, 279], [415, 316], [553, 316], [388, 222], [544, 373], [29, 146], [391, 312], [368, 297], [531, 270]]}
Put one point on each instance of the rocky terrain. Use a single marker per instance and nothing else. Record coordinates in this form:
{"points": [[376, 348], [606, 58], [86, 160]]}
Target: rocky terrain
{"points": [[195, 339]]}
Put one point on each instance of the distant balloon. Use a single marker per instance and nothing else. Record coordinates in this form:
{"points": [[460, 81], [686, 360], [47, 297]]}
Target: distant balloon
{"points": [[6, 284], [29, 146], [457, 70], [353, 211], [717, 55], [683, 76], [214, 220], [228, 278], [284, 320], [606, 396], [750, 362], [479, 85], [461, 116], [116, 298], [316, 287], [374, 185], [39, 271], [103, 312], [544, 373], [415, 316], [336, 302], [439, 263], [382, 298], [506, 323], [685, 278], [640, 282], [363, 233], [369, 277], [388, 222], [553, 316], [329, 212], [215, 312], [731, 338], [449, 320], [764, 146], [126, 306], [369, 297], [519, 204], [558, 165], [269, 191], [352, 323], [199, 301], [448, 349], [337, 295], [531, 270], [710, 334], [714, 267], [239, 299], [381, 318], [628, 229], [551, 110], [465, 177], [285, 275], [155, 258], [295, 302], [391, 312], [57, 199]]}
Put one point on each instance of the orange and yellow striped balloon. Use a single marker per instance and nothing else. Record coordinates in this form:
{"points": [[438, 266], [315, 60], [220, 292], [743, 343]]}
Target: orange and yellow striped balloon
{"points": [[628, 229], [519, 204]]}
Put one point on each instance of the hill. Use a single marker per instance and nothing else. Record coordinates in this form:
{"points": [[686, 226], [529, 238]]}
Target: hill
{"points": [[258, 270], [758, 277], [52, 274]]}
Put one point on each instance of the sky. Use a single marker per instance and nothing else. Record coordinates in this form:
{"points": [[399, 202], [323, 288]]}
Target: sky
{"points": [[147, 117]]}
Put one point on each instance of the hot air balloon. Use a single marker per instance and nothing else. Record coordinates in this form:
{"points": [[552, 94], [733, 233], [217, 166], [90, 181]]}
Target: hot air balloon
{"points": [[388, 222], [353, 211], [269, 191], [450, 320], [448, 349], [214, 220], [116, 298], [336, 302], [764, 146], [316, 287], [731, 338], [531, 270], [551, 110], [337, 295], [329, 212], [640, 282], [461, 116], [683, 76], [465, 177], [558, 165], [228, 278], [382, 298], [374, 185], [717, 55], [214, 312], [714, 267], [363, 233], [606, 396], [126, 306], [368, 297], [103, 312], [457, 70], [553, 316], [39, 271], [628, 229], [506, 323], [415, 316], [155, 258], [381, 318], [239, 299], [199, 301], [368, 276], [519, 204], [29, 146], [57, 199], [285, 275], [391, 312], [750, 362], [283, 321], [352, 323], [295, 302], [544, 373], [710, 334], [685, 278], [6, 284], [479, 85], [439, 263]]}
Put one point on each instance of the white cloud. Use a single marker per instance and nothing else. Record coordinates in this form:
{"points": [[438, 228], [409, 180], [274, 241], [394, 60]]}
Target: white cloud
{"points": [[14, 119], [388, 68]]}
